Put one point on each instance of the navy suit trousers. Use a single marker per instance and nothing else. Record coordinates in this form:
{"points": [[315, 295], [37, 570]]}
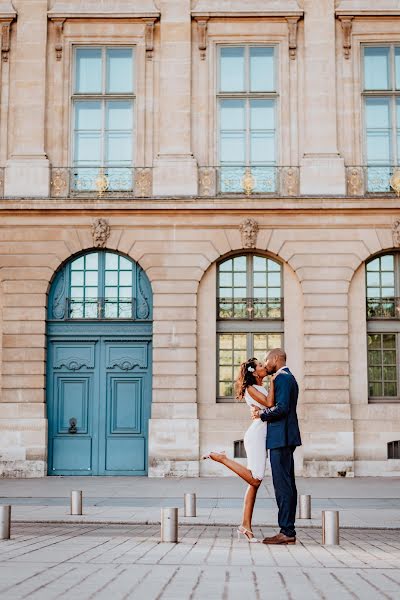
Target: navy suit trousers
{"points": [[282, 466]]}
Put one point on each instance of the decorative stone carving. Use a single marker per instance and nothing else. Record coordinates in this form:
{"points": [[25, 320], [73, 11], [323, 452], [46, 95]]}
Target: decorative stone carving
{"points": [[58, 308], [355, 181], [143, 306], [149, 38], [202, 24], [347, 27], [100, 233], [126, 363], [292, 26], [249, 231], [207, 181], [58, 46], [73, 363], [5, 39], [396, 234]]}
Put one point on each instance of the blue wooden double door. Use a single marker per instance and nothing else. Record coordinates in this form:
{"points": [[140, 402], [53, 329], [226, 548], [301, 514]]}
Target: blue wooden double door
{"points": [[99, 352], [98, 406]]}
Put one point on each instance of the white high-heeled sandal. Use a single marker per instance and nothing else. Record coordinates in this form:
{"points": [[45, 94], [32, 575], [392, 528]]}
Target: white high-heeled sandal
{"points": [[249, 535]]}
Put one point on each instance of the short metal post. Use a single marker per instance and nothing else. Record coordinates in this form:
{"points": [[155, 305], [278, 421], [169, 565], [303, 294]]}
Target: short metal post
{"points": [[169, 525], [5, 522], [330, 527], [76, 502], [190, 505], [305, 506]]}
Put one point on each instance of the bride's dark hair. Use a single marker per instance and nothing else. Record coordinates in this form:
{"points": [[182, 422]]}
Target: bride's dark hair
{"points": [[245, 377]]}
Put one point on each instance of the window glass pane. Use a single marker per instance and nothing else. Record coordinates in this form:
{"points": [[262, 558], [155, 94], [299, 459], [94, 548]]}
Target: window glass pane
{"points": [[119, 70], [232, 115], [119, 115], [378, 130], [88, 71], [88, 115], [111, 261], [87, 149], [376, 68], [232, 69], [262, 73], [397, 65], [118, 148], [92, 261], [387, 262], [262, 115], [232, 147], [111, 277], [262, 149]]}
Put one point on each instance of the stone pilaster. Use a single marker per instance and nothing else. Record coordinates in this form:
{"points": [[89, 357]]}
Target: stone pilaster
{"points": [[175, 170], [27, 172], [322, 169]]}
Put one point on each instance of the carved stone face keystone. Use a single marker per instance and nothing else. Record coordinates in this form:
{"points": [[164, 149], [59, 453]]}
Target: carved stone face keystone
{"points": [[100, 233], [249, 231]]}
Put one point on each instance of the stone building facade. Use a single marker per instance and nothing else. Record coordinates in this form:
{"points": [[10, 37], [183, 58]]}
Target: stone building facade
{"points": [[199, 147]]}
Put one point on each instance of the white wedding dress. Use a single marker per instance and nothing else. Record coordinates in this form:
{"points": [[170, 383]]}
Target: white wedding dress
{"points": [[255, 439]]}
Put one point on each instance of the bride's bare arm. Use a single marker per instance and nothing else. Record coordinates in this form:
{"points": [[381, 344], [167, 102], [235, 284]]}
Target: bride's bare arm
{"points": [[267, 401]]}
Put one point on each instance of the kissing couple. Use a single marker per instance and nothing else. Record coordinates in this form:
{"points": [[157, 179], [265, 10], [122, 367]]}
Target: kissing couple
{"points": [[275, 428]]}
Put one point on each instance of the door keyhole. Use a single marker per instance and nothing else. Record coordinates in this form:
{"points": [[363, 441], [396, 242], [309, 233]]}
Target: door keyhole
{"points": [[73, 425]]}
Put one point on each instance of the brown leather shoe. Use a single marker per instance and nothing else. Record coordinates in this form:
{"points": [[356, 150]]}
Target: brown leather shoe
{"points": [[280, 538]]}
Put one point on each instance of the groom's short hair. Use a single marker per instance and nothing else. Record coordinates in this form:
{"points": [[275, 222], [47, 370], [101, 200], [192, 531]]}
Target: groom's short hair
{"points": [[276, 353]]}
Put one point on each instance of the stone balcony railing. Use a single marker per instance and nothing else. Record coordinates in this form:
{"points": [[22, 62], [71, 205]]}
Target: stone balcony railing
{"points": [[213, 181], [134, 182], [249, 181], [372, 179]]}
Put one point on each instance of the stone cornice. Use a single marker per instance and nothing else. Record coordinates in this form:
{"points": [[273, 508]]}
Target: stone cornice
{"points": [[247, 14], [252, 8], [103, 9], [212, 206], [7, 10], [368, 8]]}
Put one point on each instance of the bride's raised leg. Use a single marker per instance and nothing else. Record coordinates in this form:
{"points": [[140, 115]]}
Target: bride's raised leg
{"points": [[236, 467]]}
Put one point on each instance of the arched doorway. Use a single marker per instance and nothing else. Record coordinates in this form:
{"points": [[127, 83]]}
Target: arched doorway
{"points": [[99, 366]]}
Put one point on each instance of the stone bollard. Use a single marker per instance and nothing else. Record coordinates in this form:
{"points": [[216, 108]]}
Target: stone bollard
{"points": [[305, 506], [330, 527], [76, 502], [169, 525], [190, 505], [5, 522]]}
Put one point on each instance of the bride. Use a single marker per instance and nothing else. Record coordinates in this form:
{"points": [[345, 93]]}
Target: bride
{"points": [[249, 388]]}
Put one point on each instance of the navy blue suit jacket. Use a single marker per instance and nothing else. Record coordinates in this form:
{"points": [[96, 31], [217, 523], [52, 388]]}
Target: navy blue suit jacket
{"points": [[283, 427]]}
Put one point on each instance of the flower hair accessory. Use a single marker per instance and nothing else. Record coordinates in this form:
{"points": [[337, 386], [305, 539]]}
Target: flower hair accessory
{"points": [[250, 369]]}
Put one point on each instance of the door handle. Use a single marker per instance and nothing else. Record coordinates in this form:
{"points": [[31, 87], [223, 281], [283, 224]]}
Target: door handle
{"points": [[73, 425]]}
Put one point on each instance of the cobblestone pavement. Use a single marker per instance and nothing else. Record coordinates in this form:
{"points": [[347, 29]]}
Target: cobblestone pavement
{"points": [[42, 562]]}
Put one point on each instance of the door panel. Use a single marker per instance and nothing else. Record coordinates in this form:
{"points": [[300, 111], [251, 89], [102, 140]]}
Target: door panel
{"points": [[125, 456], [125, 402], [72, 456], [72, 388], [73, 403], [104, 386]]}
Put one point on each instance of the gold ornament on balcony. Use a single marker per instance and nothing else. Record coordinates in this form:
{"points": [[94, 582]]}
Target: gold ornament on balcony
{"points": [[101, 183], [395, 182], [248, 183]]}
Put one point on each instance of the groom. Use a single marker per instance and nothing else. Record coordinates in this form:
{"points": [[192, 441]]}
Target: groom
{"points": [[283, 436]]}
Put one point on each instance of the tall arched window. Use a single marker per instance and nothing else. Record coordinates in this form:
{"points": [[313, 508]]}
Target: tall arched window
{"points": [[249, 314], [383, 327], [100, 286]]}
